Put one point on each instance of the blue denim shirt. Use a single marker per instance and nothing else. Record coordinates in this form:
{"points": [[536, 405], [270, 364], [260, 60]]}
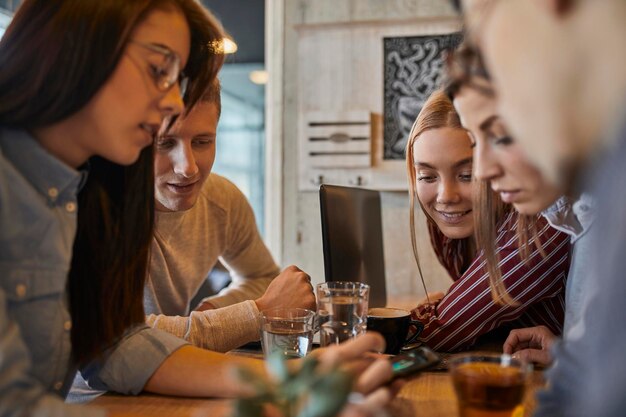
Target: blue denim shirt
{"points": [[589, 375], [575, 217], [37, 228]]}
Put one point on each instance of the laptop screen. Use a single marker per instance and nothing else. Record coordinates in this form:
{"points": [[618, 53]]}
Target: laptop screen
{"points": [[352, 238]]}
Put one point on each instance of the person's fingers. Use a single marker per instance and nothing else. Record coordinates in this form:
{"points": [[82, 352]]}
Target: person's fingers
{"points": [[511, 343], [369, 342], [524, 345], [547, 337], [518, 339], [539, 337], [539, 356], [292, 268], [378, 399], [367, 406], [352, 410], [378, 373], [433, 297], [436, 296], [357, 366], [354, 353], [291, 281]]}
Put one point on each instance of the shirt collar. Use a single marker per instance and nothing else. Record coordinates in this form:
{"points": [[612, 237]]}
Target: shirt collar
{"points": [[572, 216], [43, 170]]}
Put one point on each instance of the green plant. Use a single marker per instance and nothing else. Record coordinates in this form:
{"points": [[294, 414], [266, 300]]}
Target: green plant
{"points": [[306, 392]]}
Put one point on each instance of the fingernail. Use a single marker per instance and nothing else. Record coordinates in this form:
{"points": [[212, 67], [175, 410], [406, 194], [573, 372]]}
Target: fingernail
{"points": [[356, 398]]}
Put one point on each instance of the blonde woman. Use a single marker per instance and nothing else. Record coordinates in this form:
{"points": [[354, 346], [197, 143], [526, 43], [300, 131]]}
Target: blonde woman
{"points": [[530, 293]]}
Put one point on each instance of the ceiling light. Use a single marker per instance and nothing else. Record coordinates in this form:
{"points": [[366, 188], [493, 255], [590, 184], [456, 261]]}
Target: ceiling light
{"points": [[259, 77], [223, 46], [230, 47]]}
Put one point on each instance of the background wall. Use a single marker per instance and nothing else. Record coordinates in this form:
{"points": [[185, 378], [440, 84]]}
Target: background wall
{"points": [[301, 230]]}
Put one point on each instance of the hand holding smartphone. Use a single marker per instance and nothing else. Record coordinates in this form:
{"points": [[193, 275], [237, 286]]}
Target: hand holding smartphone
{"points": [[413, 361]]}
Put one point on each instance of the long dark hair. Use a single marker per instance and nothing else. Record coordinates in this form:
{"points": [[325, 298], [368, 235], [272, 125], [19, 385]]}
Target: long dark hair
{"points": [[54, 57]]}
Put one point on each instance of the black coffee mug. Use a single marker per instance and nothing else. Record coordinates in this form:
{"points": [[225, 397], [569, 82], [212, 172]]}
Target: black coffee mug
{"points": [[393, 324]]}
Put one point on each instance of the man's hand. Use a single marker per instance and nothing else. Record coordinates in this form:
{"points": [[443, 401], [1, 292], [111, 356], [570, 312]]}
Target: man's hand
{"points": [[291, 289], [531, 344]]}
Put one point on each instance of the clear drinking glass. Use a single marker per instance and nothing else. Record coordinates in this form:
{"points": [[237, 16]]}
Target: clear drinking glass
{"points": [[489, 384], [341, 311], [287, 330]]}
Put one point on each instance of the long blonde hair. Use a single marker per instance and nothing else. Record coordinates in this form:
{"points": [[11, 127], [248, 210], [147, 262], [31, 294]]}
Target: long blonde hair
{"points": [[488, 213], [456, 254]]}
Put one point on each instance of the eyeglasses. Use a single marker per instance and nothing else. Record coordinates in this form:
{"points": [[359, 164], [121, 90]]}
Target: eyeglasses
{"points": [[169, 72]]}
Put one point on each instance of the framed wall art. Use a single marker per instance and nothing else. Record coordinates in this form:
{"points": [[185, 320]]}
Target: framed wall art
{"points": [[413, 69]]}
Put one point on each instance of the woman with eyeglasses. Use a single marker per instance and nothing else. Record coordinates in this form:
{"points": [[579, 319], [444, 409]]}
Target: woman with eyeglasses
{"points": [[440, 162], [84, 87], [503, 166]]}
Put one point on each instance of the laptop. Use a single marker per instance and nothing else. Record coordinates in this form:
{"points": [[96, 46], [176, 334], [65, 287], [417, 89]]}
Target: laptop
{"points": [[352, 238]]}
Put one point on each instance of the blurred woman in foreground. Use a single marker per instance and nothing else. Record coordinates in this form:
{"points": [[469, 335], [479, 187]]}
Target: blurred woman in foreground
{"points": [[500, 162]]}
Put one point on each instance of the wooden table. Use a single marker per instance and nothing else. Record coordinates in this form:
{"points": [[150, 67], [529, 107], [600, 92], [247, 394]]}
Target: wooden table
{"points": [[427, 395]]}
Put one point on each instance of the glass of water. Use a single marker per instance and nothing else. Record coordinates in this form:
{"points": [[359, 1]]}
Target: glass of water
{"points": [[341, 311], [287, 330]]}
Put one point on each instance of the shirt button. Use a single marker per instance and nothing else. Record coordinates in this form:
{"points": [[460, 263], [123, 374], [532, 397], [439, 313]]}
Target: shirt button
{"points": [[70, 207], [67, 325], [58, 385], [20, 290], [53, 192]]}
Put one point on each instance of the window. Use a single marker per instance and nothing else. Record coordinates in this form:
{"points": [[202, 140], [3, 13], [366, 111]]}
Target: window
{"points": [[5, 18], [241, 134]]}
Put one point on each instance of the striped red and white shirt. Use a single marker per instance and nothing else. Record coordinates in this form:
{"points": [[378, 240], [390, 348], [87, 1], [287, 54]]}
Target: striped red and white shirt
{"points": [[468, 311]]}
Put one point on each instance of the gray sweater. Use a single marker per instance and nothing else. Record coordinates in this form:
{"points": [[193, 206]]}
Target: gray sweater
{"points": [[187, 245]]}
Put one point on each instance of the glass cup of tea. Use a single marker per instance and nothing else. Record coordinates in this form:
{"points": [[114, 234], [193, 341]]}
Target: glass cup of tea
{"points": [[341, 310], [288, 331], [489, 384]]}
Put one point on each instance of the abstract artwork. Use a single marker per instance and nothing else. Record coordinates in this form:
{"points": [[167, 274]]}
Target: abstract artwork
{"points": [[413, 69]]}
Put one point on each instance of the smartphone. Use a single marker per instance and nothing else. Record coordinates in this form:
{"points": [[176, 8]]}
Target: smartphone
{"points": [[414, 361]]}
